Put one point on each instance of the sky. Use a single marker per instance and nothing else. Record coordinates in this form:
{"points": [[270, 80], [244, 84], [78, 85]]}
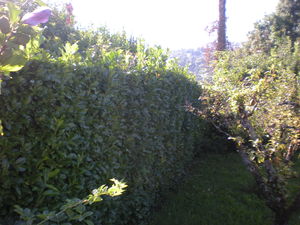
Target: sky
{"points": [[173, 24]]}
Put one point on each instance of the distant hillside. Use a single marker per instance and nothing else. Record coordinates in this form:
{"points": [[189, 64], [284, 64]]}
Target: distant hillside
{"points": [[192, 59]]}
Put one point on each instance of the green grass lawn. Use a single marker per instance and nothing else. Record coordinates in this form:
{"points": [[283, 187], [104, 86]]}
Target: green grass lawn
{"points": [[219, 191]]}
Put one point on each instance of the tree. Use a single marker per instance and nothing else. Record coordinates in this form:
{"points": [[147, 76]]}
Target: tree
{"points": [[287, 19], [221, 44], [254, 100], [284, 23]]}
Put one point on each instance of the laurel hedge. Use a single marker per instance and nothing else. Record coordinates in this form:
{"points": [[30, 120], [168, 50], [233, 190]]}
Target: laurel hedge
{"points": [[70, 126]]}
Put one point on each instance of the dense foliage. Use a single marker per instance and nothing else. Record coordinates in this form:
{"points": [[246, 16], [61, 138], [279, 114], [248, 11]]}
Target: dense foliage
{"points": [[88, 106], [18, 40], [74, 210], [254, 99], [283, 23]]}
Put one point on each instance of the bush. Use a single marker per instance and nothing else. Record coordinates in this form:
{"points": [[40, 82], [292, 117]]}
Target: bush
{"points": [[254, 99], [72, 122]]}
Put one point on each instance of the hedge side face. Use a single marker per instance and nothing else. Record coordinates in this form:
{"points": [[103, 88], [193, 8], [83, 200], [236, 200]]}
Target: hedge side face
{"points": [[68, 130]]}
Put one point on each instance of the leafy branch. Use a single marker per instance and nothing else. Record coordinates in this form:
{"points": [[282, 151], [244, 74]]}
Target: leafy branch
{"points": [[116, 189]]}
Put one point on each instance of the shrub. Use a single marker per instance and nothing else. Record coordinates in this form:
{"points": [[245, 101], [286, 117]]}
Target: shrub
{"points": [[74, 121], [254, 99]]}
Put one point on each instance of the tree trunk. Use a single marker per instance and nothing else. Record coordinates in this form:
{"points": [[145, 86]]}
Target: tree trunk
{"points": [[221, 45]]}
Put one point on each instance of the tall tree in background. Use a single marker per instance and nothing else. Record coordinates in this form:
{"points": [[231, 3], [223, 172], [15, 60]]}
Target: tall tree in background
{"points": [[287, 19], [221, 44], [274, 28]]}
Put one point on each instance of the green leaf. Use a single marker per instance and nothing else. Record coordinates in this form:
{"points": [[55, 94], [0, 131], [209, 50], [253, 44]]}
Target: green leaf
{"points": [[87, 214], [71, 49], [14, 63], [16, 59], [50, 193], [53, 173], [89, 222], [52, 187], [14, 12], [11, 68], [33, 46], [18, 210]]}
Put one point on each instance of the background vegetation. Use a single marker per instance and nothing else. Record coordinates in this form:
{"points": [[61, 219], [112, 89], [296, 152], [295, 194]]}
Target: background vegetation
{"points": [[253, 98]]}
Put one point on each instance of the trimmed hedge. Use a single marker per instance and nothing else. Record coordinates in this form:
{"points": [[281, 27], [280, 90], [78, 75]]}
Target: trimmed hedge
{"points": [[69, 128]]}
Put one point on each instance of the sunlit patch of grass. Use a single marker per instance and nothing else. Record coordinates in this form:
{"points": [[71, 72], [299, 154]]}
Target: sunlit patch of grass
{"points": [[219, 191]]}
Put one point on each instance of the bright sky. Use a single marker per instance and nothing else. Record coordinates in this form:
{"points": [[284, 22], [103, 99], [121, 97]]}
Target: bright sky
{"points": [[173, 24]]}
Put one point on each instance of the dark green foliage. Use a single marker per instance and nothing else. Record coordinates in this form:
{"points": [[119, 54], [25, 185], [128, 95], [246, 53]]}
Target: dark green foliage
{"points": [[72, 123], [210, 140]]}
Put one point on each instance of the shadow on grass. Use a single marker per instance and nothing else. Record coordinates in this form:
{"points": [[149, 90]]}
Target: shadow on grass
{"points": [[219, 191]]}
